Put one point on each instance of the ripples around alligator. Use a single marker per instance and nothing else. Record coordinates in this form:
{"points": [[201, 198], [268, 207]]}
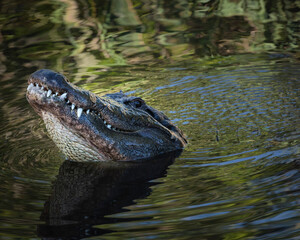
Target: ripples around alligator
{"points": [[237, 179]]}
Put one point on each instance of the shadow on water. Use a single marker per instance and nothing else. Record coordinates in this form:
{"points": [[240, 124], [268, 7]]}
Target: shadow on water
{"points": [[85, 193]]}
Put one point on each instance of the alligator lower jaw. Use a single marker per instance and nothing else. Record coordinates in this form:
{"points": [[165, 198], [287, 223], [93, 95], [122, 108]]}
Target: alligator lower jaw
{"points": [[71, 144], [59, 114]]}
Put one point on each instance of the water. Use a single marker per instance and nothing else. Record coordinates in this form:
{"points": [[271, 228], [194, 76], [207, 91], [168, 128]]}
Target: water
{"points": [[238, 104]]}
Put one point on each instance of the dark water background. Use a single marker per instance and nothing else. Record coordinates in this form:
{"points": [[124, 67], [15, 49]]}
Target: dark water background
{"points": [[226, 72]]}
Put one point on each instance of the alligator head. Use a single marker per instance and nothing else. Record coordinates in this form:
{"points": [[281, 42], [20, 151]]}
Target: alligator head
{"points": [[86, 127]]}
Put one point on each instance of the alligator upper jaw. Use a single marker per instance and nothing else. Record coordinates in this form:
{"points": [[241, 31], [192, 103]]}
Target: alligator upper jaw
{"points": [[42, 98], [50, 91]]}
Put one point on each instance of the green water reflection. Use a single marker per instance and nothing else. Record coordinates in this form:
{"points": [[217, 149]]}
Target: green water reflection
{"points": [[226, 72]]}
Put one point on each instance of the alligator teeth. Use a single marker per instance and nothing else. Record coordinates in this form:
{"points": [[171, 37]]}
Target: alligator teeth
{"points": [[79, 111], [49, 93], [30, 86], [63, 96]]}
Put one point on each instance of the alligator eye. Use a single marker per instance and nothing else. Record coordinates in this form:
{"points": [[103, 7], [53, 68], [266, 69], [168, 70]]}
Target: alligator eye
{"points": [[137, 102], [134, 102]]}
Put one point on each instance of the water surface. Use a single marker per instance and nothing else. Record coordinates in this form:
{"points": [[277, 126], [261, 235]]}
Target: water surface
{"points": [[219, 71]]}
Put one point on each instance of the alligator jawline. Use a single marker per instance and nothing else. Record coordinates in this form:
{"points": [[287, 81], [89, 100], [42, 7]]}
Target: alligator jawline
{"points": [[45, 91]]}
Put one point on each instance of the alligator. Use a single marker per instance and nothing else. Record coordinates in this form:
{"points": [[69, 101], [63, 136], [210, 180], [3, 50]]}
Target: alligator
{"points": [[113, 127]]}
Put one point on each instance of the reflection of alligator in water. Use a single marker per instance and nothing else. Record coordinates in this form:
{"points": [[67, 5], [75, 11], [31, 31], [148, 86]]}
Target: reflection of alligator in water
{"points": [[89, 128], [85, 192]]}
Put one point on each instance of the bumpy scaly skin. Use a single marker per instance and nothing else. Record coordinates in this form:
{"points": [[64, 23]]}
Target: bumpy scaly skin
{"points": [[86, 127]]}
